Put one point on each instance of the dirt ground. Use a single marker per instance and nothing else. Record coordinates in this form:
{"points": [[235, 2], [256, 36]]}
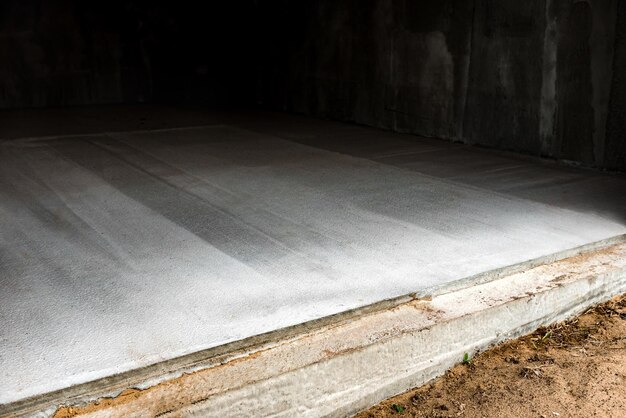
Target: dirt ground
{"points": [[572, 369]]}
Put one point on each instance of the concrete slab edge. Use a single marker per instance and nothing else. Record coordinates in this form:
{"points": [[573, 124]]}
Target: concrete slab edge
{"points": [[342, 364]]}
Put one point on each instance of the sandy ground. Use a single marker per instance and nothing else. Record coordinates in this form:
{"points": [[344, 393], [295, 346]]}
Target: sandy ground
{"points": [[572, 369]]}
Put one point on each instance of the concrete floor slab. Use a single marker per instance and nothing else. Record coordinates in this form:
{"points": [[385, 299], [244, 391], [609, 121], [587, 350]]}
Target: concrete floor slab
{"points": [[122, 250], [340, 367]]}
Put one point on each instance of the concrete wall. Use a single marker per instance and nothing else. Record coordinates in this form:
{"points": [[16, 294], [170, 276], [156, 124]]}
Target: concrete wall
{"points": [[530, 76], [615, 156], [76, 52], [58, 52], [544, 77]]}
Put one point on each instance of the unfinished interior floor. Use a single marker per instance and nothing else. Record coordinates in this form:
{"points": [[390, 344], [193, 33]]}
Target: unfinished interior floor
{"points": [[123, 249]]}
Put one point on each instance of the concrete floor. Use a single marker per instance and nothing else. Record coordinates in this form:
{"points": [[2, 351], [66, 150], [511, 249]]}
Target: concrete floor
{"points": [[120, 250]]}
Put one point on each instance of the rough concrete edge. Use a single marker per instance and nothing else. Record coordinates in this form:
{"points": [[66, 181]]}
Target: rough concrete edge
{"points": [[529, 264], [549, 305], [149, 375], [599, 296], [419, 341]]}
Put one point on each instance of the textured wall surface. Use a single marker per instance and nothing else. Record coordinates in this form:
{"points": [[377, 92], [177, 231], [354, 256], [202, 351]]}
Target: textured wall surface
{"points": [[533, 77], [54, 52], [616, 126], [504, 87], [543, 77], [400, 65], [74, 52]]}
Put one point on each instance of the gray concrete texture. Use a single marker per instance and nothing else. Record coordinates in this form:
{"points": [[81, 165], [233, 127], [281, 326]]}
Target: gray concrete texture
{"points": [[125, 249], [353, 361], [543, 77], [528, 76], [72, 52]]}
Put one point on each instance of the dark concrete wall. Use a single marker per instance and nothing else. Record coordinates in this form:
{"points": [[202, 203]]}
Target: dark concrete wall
{"points": [[76, 52], [544, 77], [401, 65], [504, 88], [55, 52], [528, 76], [616, 126]]}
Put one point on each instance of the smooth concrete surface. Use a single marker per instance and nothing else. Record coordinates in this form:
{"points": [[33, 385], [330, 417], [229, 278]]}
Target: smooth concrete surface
{"points": [[513, 174], [121, 250]]}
